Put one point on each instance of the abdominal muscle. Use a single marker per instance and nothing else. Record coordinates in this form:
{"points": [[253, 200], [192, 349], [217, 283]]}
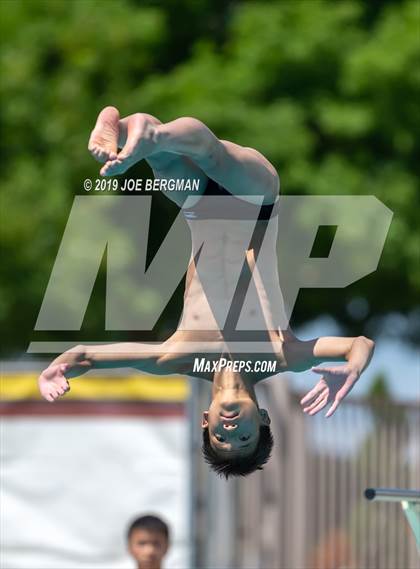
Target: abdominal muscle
{"points": [[212, 281]]}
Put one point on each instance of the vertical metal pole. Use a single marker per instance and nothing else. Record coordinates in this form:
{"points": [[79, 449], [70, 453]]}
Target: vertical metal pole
{"points": [[322, 484], [390, 550], [353, 422], [297, 474], [332, 491], [192, 472], [364, 526], [393, 468], [342, 489], [371, 473], [385, 455], [413, 467]]}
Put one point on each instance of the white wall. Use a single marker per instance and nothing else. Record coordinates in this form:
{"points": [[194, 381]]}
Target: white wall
{"points": [[70, 486]]}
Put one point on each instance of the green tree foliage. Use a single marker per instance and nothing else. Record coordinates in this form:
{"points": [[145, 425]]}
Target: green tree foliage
{"points": [[327, 90]]}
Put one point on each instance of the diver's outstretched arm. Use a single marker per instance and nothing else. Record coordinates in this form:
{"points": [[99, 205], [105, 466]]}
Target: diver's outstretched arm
{"points": [[53, 381], [169, 357], [337, 381]]}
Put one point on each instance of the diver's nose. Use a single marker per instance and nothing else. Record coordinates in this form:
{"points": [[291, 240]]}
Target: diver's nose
{"points": [[230, 426]]}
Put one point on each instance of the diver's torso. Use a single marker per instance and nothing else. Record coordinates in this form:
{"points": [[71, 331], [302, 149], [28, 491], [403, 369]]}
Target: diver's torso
{"points": [[230, 238]]}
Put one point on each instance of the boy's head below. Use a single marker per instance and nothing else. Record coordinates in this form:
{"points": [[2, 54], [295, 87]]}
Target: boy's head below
{"points": [[148, 541], [237, 438]]}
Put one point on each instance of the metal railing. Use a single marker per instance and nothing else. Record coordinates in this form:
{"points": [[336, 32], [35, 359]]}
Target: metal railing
{"points": [[392, 495], [409, 500]]}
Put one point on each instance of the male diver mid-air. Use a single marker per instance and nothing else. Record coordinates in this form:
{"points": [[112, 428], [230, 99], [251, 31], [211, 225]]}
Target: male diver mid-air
{"points": [[238, 187]]}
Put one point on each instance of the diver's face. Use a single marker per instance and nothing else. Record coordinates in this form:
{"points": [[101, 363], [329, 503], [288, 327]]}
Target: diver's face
{"points": [[234, 427]]}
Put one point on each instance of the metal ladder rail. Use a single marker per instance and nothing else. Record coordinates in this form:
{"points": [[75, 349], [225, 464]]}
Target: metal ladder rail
{"points": [[410, 503]]}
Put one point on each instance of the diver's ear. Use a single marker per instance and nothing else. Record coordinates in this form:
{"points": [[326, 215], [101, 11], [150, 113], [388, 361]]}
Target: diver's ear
{"points": [[205, 421], [265, 418]]}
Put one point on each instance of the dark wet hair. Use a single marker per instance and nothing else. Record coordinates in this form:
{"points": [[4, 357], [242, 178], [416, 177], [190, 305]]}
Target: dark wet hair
{"points": [[149, 523], [239, 466]]}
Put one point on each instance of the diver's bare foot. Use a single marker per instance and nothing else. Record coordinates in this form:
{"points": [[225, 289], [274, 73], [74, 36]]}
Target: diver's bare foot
{"points": [[140, 143], [103, 142]]}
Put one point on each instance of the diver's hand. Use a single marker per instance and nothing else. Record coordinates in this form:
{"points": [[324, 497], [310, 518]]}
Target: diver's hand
{"points": [[52, 382], [334, 385]]}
